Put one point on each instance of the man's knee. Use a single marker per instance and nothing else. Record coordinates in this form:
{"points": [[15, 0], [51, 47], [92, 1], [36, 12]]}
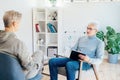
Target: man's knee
{"points": [[72, 65], [69, 65], [52, 61]]}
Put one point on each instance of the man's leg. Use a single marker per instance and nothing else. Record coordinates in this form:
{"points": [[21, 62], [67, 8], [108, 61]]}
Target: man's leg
{"points": [[71, 68], [53, 64]]}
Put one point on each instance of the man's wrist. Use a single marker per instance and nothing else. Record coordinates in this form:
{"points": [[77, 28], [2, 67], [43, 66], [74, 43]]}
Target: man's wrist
{"points": [[89, 60]]}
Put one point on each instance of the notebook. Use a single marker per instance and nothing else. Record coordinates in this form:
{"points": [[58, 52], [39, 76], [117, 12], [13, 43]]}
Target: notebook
{"points": [[74, 55]]}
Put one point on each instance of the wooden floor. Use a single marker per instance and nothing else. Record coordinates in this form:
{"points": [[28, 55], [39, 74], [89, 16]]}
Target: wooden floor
{"points": [[107, 71]]}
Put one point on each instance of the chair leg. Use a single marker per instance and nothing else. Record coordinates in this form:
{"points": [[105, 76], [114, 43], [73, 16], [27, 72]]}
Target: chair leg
{"points": [[80, 71], [95, 72]]}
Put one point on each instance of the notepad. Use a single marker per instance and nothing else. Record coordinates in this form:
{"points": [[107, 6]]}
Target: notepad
{"points": [[74, 55]]}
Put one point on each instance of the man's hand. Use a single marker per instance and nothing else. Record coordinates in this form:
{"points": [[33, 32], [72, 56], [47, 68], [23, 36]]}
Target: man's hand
{"points": [[84, 58]]}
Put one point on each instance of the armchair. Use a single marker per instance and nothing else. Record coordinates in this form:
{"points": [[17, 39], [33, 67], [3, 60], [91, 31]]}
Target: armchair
{"points": [[10, 68]]}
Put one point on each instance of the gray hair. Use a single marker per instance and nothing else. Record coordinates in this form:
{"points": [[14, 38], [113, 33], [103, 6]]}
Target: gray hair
{"points": [[10, 17], [96, 24]]}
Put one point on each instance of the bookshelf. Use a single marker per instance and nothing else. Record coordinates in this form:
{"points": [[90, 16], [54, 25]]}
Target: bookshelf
{"points": [[45, 31]]}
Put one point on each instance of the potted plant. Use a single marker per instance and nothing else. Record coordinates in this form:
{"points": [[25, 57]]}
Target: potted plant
{"points": [[100, 35], [112, 44]]}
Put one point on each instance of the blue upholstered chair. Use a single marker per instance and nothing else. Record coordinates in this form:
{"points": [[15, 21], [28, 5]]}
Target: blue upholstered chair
{"points": [[10, 68]]}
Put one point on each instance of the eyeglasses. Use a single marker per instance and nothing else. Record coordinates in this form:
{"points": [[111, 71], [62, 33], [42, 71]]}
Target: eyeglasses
{"points": [[90, 29]]}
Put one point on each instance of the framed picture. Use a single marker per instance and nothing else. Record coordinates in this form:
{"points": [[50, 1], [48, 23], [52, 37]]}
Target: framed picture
{"points": [[51, 51]]}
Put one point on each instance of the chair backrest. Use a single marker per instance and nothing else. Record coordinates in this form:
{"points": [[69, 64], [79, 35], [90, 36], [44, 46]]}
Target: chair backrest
{"points": [[10, 68]]}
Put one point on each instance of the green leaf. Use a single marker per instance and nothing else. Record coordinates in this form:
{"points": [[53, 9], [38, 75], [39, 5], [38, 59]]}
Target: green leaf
{"points": [[113, 41], [100, 35]]}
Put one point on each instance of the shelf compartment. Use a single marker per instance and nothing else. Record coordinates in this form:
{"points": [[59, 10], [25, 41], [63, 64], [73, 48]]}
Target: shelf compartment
{"points": [[39, 15], [52, 14], [51, 50], [41, 39], [52, 39]]}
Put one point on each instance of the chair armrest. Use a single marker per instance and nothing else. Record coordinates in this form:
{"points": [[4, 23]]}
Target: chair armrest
{"points": [[57, 55]]}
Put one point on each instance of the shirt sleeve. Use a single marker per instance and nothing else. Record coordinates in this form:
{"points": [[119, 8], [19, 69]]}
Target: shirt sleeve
{"points": [[99, 54], [26, 59]]}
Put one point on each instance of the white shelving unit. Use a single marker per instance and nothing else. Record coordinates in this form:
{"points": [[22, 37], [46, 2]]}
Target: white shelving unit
{"points": [[45, 30]]}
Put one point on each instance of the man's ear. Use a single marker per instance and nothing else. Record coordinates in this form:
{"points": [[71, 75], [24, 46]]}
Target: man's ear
{"points": [[14, 23], [96, 30]]}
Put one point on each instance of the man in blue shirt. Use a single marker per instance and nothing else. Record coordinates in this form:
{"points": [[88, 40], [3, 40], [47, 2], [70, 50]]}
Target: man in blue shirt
{"points": [[89, 45]]}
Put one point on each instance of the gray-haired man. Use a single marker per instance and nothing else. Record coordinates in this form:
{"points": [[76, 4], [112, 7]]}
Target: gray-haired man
{"points": [[89, 45]]}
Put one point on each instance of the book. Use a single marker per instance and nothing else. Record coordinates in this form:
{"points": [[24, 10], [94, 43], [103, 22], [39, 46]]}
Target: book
{"points": [[74, 55], [37, 27], [51, 28]]}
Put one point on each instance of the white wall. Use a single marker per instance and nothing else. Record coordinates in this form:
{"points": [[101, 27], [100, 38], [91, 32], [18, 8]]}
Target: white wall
{"points": [[75, 17], [78, 15], [25, 7]]}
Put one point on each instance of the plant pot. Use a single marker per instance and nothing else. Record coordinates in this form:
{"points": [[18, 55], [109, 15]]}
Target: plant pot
{"points": [[113, 58]]}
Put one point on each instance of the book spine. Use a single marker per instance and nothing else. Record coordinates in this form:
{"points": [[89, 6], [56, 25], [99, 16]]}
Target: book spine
{"points": [[37, 27], [51, 28], [55, 28]]}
